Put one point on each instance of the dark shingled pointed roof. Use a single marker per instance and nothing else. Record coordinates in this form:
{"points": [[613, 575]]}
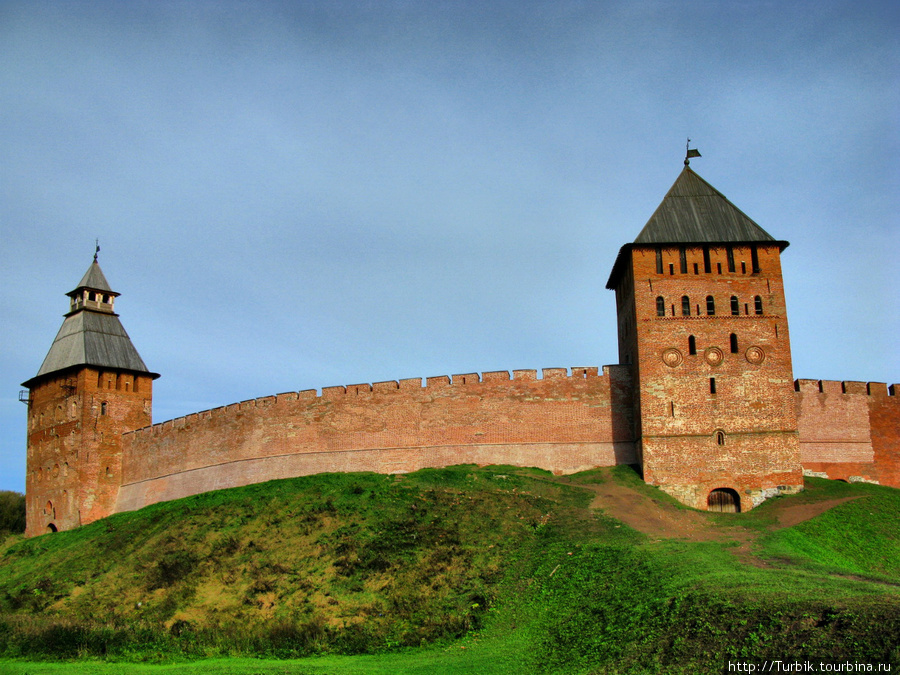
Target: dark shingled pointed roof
{"points": [[694, 212], [91, 337], [95, 280]]}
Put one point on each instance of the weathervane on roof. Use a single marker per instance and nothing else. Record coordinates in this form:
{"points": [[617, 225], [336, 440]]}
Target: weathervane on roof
{"points": [[690, 153], [96, 248]]}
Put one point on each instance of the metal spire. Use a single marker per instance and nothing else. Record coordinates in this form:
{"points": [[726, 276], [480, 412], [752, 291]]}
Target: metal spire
{"points": [[96, 248]]}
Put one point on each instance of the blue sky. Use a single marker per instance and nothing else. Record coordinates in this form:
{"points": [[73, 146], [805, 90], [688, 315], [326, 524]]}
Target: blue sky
{"points": [[297, 195]]}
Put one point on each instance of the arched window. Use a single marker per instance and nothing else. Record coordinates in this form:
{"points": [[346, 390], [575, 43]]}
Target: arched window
{"points": [[710, 305], [734, 344], [720, 437], [757, 304], [692, 345], [660, 306], [735, 306], [103, 408], [685, 305]]}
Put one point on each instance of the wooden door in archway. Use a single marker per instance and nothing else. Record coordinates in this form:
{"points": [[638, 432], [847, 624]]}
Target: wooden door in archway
{"points": [[723, 500]]}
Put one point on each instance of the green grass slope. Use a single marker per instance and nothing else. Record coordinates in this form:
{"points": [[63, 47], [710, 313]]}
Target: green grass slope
{"points": [[465, 569]]}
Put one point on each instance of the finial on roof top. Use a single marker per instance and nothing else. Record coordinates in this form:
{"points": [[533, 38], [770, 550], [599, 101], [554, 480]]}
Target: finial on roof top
{"points": [[96, 248], [689, 153]]}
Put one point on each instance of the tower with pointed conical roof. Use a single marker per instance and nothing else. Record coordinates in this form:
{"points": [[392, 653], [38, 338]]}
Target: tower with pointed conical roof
{"points": [[91, 388], [703, 325]]}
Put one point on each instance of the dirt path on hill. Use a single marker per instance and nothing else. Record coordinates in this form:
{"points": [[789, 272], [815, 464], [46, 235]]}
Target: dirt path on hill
{"points": [[794, 514], [660, 520]]}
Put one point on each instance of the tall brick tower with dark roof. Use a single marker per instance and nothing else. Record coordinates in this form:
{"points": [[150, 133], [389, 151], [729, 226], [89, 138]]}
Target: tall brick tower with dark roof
{"points": [[703, 325], [91, 388]]}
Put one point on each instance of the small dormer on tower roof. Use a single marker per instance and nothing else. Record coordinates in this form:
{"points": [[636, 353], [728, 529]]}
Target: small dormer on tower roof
{"points": [[91, 334], [93, 291]]}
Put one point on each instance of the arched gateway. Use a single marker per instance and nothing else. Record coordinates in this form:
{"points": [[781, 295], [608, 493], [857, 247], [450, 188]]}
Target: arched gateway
{"points": [[723, 500]]}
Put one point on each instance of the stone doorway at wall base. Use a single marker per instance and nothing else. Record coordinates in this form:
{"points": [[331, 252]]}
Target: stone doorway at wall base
{"points": [[724, 500]]}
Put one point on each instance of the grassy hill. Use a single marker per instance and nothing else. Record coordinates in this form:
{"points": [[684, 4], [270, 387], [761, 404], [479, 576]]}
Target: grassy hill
{"points": [[464, 569]]}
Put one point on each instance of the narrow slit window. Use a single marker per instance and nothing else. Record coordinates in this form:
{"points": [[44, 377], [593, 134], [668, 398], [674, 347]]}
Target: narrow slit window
{"points": [[660, 306], [718, 268], [685, 305], [659, 262], [707, 265], [734, 344], [757, 304], [682, 258], [103, 408], [735, 306], [720, 438], [671, 269], [754, 259], [730, 253], [710, 305], [712, 385], [692, 345], [696, 269]]}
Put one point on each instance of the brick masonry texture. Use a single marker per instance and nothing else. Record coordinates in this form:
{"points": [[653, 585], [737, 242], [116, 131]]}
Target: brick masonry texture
{"points": [[713, 374], [75, 428], [561, 422]]}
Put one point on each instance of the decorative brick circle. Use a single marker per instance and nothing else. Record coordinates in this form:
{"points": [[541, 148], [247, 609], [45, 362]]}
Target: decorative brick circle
{"points": [[755, 355], [714, 356], [672, 357]]}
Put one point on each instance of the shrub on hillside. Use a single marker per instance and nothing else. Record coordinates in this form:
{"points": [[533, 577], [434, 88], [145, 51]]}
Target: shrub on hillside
{"points": [[12, 512]]}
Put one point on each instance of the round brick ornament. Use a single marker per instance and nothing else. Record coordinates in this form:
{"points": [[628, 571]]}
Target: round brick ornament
{"points": [[755, 355], [672, 357], [714, 356]]}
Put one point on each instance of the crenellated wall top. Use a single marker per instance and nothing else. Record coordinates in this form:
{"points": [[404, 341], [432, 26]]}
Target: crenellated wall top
{"points": [[391, 386], [846, 387]]}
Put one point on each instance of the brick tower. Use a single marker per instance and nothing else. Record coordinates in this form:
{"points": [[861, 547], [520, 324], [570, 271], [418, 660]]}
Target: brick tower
{"points": [[91, 388], [703, 325]]}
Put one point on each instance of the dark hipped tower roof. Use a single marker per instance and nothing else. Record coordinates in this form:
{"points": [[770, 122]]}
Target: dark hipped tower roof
{"points": [[91, 334], [694, 212]]}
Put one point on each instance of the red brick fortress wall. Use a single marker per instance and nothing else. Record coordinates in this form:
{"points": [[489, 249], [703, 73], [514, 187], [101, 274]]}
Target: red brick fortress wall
{"points": [[562, 422], [849, 430]]}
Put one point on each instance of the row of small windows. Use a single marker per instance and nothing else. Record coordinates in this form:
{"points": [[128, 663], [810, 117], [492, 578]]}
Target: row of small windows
{"points": [[59, 416], [707, 262], [710, 306], [121, 381], [692, 344], [92, 296]]}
